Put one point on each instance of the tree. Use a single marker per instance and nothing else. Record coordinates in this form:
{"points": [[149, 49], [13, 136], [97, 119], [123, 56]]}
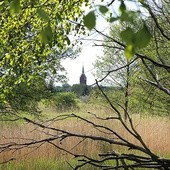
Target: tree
{"points": [[126, 75], [34, 38], [80, 89], [123, 72]]}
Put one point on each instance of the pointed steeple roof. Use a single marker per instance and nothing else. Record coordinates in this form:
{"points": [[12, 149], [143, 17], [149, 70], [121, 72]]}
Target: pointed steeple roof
{"points": [[83, 78], [83, 69]]}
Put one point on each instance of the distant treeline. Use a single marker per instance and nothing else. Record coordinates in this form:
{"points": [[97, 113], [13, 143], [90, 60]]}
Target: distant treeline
{"points": [[78, 89]]}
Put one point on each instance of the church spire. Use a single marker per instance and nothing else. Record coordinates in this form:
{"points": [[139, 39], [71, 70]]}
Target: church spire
{"points": [[83, 78], [83, 69]]}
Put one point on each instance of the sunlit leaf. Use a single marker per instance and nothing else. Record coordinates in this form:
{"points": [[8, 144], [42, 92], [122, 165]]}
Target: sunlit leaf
{"points": [[12, 62], [7, 56], [129, 51], [103, 9], [15, 6], [90, 20], [1, 3]]}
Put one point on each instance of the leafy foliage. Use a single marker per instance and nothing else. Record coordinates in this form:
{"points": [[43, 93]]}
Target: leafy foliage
{"points": [[23, 97], [34, 37], [133, 39], [90, 20], [80, 89], [103, 9], [64, 101], [142, 97]]}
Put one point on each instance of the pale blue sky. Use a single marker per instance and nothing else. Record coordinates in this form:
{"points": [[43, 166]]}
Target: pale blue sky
{"points": [[74, 67], [89, 53], [87, 56]]}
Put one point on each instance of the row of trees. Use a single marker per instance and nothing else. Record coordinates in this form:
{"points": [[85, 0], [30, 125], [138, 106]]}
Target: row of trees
{"points": [[78, 89]]}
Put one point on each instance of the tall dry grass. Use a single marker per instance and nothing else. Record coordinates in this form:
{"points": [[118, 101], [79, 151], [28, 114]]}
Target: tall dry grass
{"points": [[154, 130]]}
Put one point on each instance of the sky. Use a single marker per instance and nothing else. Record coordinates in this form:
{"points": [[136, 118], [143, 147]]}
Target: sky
{"points": [[86, 57], [89, 52]]}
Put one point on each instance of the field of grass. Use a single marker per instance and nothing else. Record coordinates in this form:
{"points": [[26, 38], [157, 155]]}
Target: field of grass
{"points": [[154, 130]]}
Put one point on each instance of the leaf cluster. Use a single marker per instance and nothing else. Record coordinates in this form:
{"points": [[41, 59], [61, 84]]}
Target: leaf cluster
{"points": [[35, 35]]}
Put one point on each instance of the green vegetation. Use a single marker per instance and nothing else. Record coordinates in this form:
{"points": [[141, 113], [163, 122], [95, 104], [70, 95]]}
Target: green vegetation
{"points": [[137, 85], [64, 101], [109, 132], [39, 164], [43, 165], [34, 38], [80, 89]]}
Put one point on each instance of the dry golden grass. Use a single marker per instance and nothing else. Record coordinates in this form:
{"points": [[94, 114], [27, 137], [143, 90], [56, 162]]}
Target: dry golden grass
{"points": [[156, 133], [154, 130]]}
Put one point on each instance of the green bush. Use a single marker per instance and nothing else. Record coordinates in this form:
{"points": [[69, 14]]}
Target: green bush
{"points": [[80, 89], [65, 101]]}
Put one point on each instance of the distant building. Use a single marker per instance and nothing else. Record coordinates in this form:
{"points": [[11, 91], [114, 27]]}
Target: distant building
{"points": [[83, 79]]}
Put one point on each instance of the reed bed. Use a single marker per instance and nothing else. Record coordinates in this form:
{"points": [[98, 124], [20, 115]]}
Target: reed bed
{"points": [[154, 130]]}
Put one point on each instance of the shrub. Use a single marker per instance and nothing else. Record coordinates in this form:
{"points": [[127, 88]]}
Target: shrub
{"points": [[80, 89], [64, 101]]}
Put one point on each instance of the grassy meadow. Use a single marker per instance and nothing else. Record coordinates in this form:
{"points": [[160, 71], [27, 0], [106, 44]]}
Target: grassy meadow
{"points": [[155, 131]]}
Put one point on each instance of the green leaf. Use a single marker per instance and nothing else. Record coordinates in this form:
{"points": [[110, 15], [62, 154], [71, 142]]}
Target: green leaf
{"points": [[15, 7], [12, 62], [43, 14], [122, 7], [112, 19], [142, 37], [103, 9], [54, 71], [1, 3], [7, 56], [141, 1], [129, 16], [67, 40], [46, 35], [129, 51], [127, 35], [90, 20]]}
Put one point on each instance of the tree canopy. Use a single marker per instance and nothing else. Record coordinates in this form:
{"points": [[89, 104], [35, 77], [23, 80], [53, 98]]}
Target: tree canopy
{"points": [[35, 36]]}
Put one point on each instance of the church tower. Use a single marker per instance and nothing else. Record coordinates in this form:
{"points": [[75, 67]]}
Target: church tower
{"points": [[83, 78]]}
